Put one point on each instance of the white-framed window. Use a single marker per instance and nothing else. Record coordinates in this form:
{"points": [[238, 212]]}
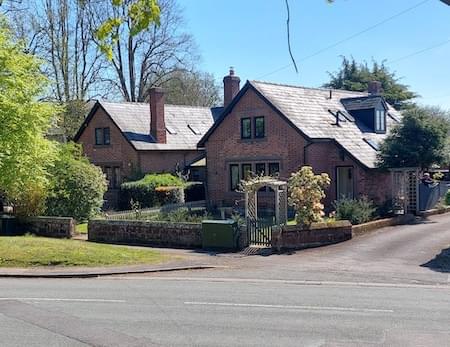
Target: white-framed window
{"points": [[380, 120]]}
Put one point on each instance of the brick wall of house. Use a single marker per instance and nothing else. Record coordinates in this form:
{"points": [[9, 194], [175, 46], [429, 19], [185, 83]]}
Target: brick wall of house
{"points": [[284, 144], [166, 161], [281, 144], [118, 153], [121, 153]]}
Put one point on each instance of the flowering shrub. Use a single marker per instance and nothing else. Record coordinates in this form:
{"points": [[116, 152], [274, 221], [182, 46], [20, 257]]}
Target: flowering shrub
{"points": [[306, 191]]}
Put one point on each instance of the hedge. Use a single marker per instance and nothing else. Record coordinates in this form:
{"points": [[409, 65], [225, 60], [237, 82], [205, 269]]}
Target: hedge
{"points": [[152, 190]]}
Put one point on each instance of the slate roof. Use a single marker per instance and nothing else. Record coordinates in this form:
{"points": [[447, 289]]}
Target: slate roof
{"points": [[361, 103], [185, 125], [308, 109]]}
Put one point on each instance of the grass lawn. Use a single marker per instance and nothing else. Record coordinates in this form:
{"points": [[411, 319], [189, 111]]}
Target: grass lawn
{"points": [[81, 228], [28, 251]]}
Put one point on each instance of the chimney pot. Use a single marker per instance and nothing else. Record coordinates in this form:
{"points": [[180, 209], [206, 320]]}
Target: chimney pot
{"points": [[230, 87], [375, 88], [157, 120]]}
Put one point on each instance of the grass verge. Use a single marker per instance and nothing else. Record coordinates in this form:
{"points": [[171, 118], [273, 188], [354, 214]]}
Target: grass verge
{"points": [[32, 251], [81, 228]]}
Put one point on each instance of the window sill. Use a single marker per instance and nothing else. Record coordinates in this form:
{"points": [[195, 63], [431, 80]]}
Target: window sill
{"points": [[253, 140], [102, 146]]}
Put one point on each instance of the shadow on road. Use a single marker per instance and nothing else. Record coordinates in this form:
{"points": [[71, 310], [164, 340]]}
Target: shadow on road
{"points": [[422, 221], [441, 262]]}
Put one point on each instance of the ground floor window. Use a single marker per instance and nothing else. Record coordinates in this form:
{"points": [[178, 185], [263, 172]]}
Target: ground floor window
{"points": [[240, 171], [274, 169], [234, 176]]}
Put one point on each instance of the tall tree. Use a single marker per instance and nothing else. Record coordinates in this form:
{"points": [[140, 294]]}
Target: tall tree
{"points": [[146, 58], [356, 77], [74, 62], [419, 141], [24, 151], [192, 88]]}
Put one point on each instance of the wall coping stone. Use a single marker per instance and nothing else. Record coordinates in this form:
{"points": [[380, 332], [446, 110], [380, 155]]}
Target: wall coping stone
{"points": [[364, 228], [434, 211], [144, 222]]}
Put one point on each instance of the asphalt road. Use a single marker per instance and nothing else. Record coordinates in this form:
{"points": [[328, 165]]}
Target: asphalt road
{"points": [[371, 291]]}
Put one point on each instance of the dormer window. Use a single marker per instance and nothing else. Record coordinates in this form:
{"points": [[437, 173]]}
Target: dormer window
{"points": [[380, 121]]}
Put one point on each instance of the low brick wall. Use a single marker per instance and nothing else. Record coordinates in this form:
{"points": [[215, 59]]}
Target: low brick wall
{"points": [[365, 228], [319, 234], [163, 234], [57, 227], [435, 211]]}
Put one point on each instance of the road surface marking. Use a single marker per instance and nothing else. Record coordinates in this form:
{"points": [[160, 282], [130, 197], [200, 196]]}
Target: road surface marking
{"points": [[61, 299], [275, 281], [295, 307]]}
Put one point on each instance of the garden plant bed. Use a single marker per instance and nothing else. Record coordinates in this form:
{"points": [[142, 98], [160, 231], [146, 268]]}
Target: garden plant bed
{"points": [[32, 251]]}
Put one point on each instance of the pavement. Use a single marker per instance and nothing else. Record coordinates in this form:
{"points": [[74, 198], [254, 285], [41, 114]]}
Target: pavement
{"points": [[388, 288]]}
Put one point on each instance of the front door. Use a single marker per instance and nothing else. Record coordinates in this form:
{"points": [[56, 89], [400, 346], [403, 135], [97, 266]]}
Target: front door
{"points": [[345, 182]]}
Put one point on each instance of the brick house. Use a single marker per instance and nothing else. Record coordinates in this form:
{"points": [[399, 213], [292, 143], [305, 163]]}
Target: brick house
{"points": [[275, 129], [126, 139]]}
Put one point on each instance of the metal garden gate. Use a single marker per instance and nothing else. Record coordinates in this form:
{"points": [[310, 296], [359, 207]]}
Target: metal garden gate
{"points": [[259, 232]]}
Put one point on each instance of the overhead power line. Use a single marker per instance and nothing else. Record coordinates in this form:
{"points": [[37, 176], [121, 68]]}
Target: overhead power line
{"points": [[419, 52], [398, 14]]}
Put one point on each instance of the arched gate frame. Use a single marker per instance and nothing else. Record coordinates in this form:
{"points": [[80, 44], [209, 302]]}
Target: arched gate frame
{"points": [[260, 232]]}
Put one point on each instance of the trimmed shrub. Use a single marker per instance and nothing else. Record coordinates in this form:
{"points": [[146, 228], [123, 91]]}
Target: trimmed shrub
{"points": [[77, 187], [447, 198], [357, 211], [170, 195], [183, 215], [148, 191]]}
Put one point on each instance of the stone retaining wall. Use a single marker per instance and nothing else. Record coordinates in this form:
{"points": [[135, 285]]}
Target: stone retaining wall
{"points": [[319, 234], [58, 227], [164, 234]]}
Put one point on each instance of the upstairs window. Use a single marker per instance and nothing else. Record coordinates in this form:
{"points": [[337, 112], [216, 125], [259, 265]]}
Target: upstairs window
{"points": [[246, 128], [259, 127], [380, 121], [102, 136]]}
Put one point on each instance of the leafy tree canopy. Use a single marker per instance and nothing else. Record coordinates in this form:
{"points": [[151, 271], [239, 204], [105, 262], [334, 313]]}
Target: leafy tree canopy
{"points": [[356, 77], [138, 17], [192, 88], [25, 154], [421, 140]]}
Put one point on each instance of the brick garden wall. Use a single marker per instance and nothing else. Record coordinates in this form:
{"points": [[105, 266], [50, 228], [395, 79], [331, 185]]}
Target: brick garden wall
{"points": [[57, 227], [164, 234], [320, 234]]}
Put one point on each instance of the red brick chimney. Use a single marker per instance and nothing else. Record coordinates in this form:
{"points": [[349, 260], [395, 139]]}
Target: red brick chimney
{"points": [[375, 88], [157, 122], [230, 87]]}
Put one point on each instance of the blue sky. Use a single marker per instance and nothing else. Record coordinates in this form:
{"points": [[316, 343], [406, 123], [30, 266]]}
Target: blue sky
{"points": [[251, 36]]}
